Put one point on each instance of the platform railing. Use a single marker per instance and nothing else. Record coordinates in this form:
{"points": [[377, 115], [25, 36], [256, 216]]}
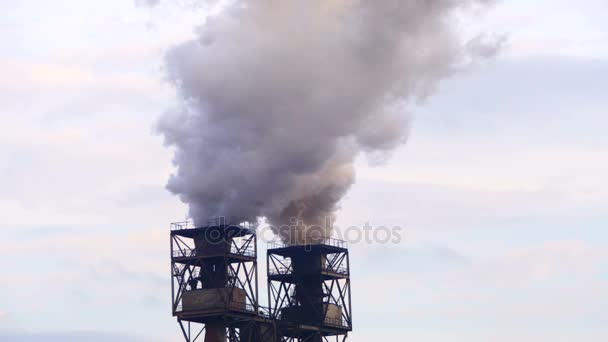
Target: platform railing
{"points": [[191, 252], [280, 270], [321, 242], [184, 253], [250, 251], [234, 306], [289, 270], [335, 322], [190, 224], [328, 322], [182, 225], [338, 270]]}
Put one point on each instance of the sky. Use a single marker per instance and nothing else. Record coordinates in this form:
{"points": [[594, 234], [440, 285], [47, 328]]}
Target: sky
{"points": [[500, 189]]}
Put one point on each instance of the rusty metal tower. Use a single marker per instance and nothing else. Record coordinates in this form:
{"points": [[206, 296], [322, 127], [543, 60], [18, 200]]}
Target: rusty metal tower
{"points": [[215, 283], [215, 287], [309, 290]]}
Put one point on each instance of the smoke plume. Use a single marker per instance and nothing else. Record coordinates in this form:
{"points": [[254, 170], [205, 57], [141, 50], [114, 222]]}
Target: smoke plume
{"points": [[279, 97]]}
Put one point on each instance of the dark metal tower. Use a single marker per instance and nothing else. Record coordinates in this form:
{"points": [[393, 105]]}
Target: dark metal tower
{"points": [[309, 290], [215, 282], [215, 287]]}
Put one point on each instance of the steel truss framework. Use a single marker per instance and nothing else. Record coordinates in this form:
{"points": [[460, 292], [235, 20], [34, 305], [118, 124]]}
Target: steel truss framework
{"points": [[334, 276], [196, 264], [194, 267], [316, 337], [249, 331]]}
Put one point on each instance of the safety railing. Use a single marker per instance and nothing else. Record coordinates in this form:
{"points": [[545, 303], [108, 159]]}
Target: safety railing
{"points": [[280, 270], [335, 322], [212, 222], [338, 270], [330, 322], [182, 225], [325, 242], [249, 252], [184, 253], [233, 306], [191, 252], [289, 270]]}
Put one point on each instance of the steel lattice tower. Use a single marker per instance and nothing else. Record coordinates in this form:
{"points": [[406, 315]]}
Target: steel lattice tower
{"points": [[215, 287], [215, 283], [309, 290]]}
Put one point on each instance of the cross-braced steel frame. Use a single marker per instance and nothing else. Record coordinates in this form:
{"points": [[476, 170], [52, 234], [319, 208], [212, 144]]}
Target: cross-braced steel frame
{"points": [[249, 331], [221, 261], [316, 337], [219, 264], [334, 277]]}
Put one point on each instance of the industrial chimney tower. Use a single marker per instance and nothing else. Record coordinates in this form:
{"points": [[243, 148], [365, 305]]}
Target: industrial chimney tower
{"points": [[215, 287]]}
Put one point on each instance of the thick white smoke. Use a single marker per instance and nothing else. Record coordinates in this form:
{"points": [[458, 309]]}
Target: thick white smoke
{"points": [[279, 97]]}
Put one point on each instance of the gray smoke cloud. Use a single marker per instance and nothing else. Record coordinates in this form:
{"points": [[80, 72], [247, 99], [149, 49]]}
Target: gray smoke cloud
{"points": [[278, 98]]}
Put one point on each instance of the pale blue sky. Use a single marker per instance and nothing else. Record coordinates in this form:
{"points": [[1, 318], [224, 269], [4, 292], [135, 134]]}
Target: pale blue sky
{"points": [[501, 187]]}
